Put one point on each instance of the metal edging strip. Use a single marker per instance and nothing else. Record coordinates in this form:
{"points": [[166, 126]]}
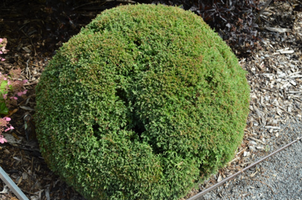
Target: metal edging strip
{"points": [[241, 171], [10, 183]]}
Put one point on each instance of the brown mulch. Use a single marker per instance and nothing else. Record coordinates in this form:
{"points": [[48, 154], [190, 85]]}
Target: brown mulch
{"points": [[35, 31]]}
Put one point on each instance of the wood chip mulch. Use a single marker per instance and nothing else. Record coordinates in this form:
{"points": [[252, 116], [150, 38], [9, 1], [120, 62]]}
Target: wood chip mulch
{"points": [[33, 36]]}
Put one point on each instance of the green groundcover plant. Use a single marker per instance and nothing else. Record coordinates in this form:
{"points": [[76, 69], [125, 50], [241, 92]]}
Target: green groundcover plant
{"points": [[144, 103]]}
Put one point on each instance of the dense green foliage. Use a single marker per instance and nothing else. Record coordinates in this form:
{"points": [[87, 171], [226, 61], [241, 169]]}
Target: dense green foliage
{"points": [[144, 103]]}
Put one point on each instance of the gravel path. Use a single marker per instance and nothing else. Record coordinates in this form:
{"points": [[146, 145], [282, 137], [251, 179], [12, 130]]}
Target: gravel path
{"points": [[275, 77], [278, 178]]}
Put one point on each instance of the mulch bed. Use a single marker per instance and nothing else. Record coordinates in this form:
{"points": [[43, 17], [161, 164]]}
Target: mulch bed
{"points": [[34, 32]]}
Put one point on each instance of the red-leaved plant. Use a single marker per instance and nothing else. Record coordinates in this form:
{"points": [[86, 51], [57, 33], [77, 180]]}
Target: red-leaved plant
{"points": [[10, 89], [3, 42]]}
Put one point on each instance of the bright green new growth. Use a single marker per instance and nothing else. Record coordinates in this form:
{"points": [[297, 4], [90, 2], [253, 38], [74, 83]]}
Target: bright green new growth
{"points": [[144, 103]]}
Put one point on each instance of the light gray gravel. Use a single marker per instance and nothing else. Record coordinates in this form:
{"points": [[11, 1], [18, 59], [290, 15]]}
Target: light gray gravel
{"points": [[277, 178]]}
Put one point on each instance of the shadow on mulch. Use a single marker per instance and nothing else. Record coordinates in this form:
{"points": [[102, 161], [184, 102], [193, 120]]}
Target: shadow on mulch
{"points": [[35, 30]]}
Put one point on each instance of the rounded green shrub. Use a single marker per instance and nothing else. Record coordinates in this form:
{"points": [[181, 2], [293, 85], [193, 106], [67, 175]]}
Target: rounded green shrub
{"points": [[144, 103]]}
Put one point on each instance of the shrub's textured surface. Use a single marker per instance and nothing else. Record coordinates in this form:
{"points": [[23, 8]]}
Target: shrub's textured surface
{"points": [[142, 104]]}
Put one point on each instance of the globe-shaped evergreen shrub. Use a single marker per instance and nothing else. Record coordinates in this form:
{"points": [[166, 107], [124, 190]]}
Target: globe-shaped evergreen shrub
{"points": [[144, 103]]}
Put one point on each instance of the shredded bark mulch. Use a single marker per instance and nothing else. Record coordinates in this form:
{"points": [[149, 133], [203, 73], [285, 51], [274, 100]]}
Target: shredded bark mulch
{"points": [[35, 30]]}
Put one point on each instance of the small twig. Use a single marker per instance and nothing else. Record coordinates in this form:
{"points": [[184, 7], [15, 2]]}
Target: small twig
{"points": [[264, 7], [32, 83], [256, 140]]}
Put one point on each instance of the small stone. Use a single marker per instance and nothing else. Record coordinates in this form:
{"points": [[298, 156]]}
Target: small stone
{"points": [[24, 175], [219, 178], [26, 49], [246, 153], [252, 148]]}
